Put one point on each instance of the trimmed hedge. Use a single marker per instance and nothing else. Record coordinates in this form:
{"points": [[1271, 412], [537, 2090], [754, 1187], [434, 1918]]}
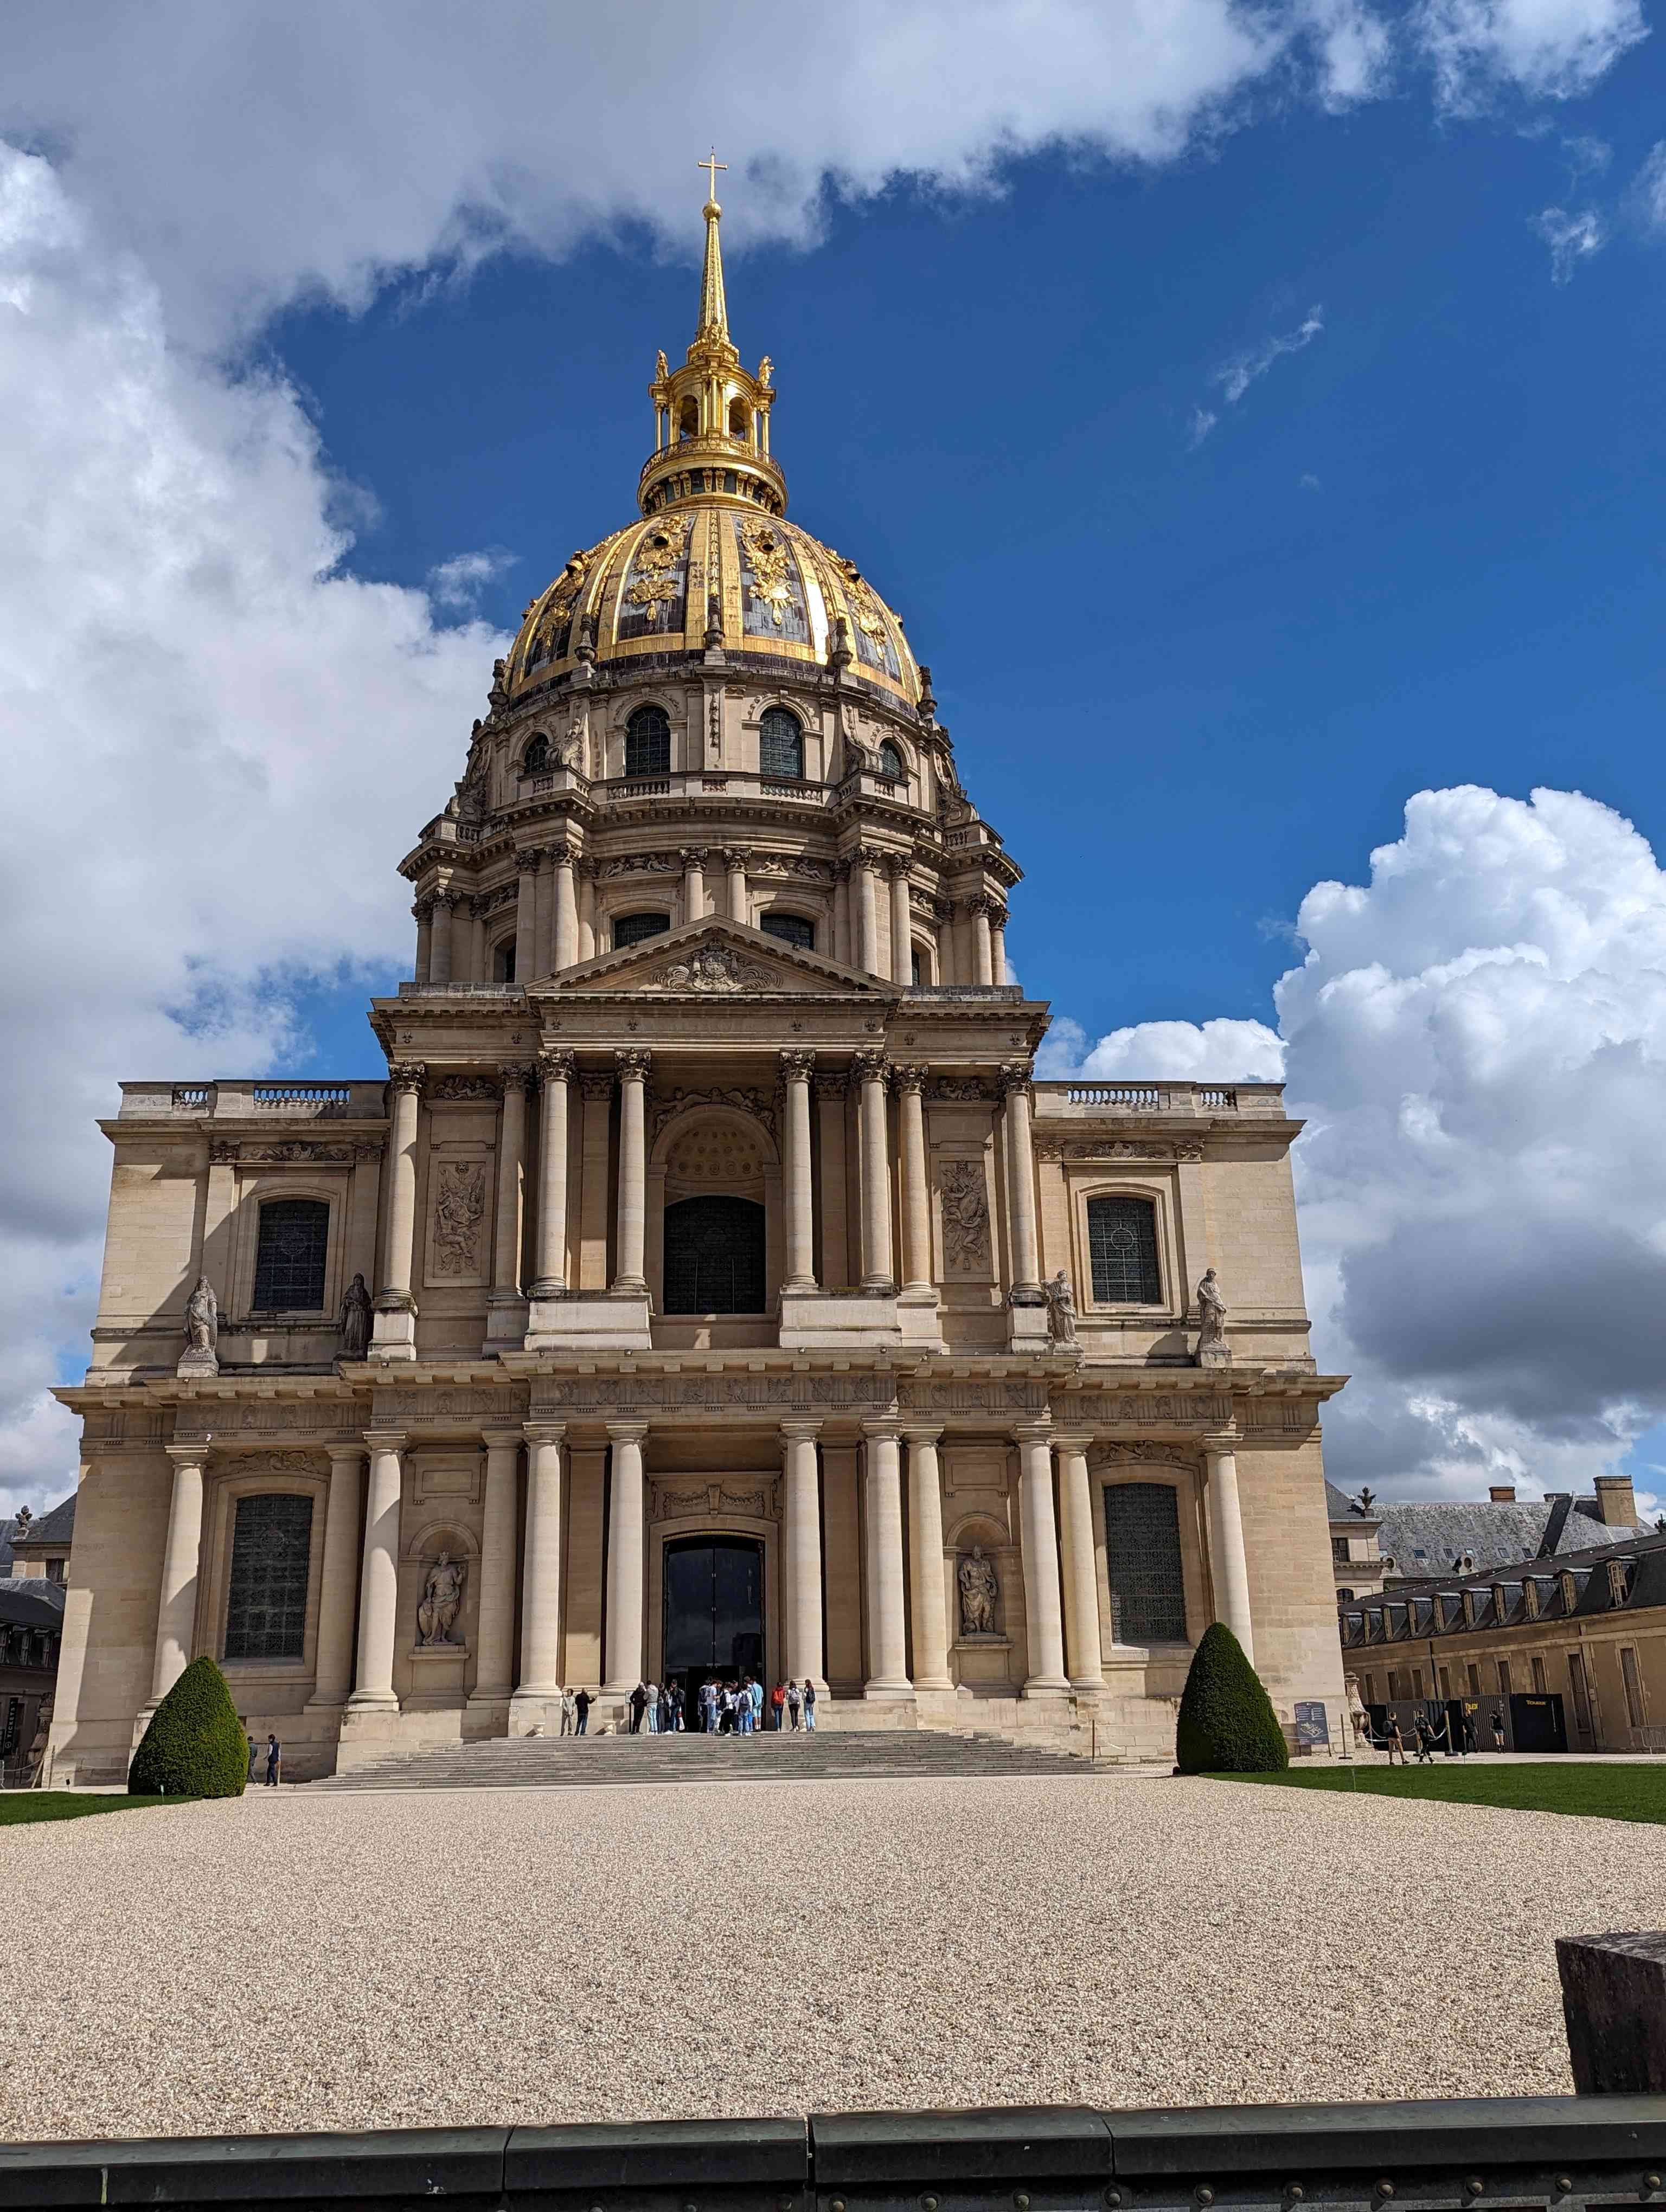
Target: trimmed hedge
{"points": [[195, 1745], [1227, 1724]]}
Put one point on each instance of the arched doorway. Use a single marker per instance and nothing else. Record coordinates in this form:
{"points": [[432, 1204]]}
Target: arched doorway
{"points": [[712, 1616]]}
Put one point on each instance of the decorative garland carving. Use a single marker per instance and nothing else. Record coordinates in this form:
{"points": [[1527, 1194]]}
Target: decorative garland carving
{"points": [[753, 1104], [458, 1088], [228, 1152], [711, 968]]}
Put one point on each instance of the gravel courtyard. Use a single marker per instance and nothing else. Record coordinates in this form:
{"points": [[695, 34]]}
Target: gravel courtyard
{"points": [[295, 1961]]}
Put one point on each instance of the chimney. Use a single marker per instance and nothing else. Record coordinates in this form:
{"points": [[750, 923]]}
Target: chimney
{"points": [[1502, 1493], [1616, 1501]]}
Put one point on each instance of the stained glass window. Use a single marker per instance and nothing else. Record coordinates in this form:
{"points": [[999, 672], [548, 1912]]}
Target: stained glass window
{"points": [[647, 742], [780, 743], [714, 1256], [890, 760], [1122, 1243], [1142, 1562], [290, 1260], [790, 928], [632, 928], [538, 754], [266, 1612]]}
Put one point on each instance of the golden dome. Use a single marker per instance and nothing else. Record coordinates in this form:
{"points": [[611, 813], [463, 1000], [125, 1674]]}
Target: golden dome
{"points": [[712, 564]]}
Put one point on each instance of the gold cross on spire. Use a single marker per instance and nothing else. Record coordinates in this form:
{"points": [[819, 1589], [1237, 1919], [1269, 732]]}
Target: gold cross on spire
{"points": [[712, 164]]}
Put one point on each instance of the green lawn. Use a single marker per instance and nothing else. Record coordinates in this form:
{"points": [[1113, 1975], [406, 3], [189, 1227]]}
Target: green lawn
{"points": [[1627, 1792], [19, 1806]]}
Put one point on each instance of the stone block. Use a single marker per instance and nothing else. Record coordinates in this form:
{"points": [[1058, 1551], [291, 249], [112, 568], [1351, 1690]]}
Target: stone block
{"points": [[592, 1321], [1614, 1998]]}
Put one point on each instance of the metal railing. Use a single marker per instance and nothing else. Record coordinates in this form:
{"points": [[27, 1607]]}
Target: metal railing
{"points": [[1527, 2153]]}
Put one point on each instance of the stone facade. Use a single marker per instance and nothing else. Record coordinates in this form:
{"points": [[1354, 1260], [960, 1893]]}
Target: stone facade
{"points": [[710, 922]]}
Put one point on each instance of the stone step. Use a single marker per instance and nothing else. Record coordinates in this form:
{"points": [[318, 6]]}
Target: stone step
{"points": [[568, 1762]]}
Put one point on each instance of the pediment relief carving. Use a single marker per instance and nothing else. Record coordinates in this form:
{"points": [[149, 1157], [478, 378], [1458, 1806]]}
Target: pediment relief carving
{"points": [[714, 959]]}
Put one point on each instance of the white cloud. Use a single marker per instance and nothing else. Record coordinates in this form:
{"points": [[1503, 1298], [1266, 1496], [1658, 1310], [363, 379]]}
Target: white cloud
{"points": [[1308, 483], [1571, 239], [1236, 379], [459, 582], [1648, 190], [1203, 421], [1477, 1038], [220, 738], [1546, 49]]}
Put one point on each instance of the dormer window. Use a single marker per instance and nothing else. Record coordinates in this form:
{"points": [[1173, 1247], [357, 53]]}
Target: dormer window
{"points": [[891, 761], [537, 757]]}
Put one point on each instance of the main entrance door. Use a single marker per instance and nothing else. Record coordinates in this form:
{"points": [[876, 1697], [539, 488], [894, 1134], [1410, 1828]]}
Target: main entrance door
{"points": [[714, 1610]]}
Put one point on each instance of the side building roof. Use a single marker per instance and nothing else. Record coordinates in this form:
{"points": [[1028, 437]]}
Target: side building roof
{"points": [[1426, 1540]]}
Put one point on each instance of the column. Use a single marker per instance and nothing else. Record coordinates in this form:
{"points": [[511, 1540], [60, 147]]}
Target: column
{"points": [[1041, 1560], [875, 1168], [1228, 1564], [868, 913], [544, 932], [405, 1080], [478, 943], [566, 911], [983, 958], [423, 910], [931, 1622], [527, 918], [842, 948], [332, 1676], [901, 933], [1020, 1176], [379, 1577], [887, 1640], [176, 1606], [835, 1202], [998, 949], [633, 1068], [550, 1275], [597, 1092], [796, 1068], [1081, 1573], [735, 862], [694, 882], [511, 1168], [801, 1580], [439, 964], [494, 1658], [910, 1083], [540, 1582], [625, 1558], [586, 910]]}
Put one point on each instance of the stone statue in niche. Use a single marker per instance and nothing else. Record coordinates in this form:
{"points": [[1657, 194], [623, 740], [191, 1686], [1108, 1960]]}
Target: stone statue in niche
{"points": [[1061, 1310], [201, 1355], [978, 1591], [443, 1598], [354, 1319], [1212, 1346]]}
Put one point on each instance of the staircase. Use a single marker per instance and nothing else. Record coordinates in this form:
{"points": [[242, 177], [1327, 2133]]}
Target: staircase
{"points": [[582, 1762]]}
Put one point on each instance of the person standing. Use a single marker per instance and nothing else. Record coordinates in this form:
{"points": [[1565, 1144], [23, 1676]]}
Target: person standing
{"points": [[569, 1712], [777, 1705], [581, 1706], [1498, 1728], [1396, 1742], [274, 1762], [755, 1691], [678, 1701], [809, 1706], [796, 1706], [638, 1701]]}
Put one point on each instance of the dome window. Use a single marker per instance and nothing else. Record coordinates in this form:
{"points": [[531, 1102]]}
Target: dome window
{"points": [[688, 419], [647, 742], [740, 419], [790, 928], [632, 928], [781, 744], [537, 756], [891, 761]]}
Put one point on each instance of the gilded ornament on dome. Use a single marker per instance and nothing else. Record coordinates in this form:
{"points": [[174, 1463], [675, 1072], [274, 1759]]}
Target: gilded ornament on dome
{"points": [[766, 551], [657, 586]]}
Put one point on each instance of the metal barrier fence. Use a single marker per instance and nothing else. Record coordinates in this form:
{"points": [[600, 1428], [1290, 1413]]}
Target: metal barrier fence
{"points": [[1511, 2154]]}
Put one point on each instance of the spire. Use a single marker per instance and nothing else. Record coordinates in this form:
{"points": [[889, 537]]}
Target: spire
{"points": [[714, 308]]}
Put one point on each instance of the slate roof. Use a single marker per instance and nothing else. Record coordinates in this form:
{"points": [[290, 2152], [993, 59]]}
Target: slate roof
{"points": [[1426, 1540], [31, 1601], [57, 1526], [1339, 1507]]}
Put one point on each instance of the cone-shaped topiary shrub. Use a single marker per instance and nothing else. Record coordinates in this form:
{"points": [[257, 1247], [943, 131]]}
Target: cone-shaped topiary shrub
{"points": [[1226, 1724], [195, 1745]]}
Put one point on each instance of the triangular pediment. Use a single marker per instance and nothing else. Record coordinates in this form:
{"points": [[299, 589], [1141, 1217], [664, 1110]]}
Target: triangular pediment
{"points": [[714, 959]]}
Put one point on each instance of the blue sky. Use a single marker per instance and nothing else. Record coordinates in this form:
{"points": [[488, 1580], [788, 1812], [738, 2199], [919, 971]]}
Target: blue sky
{"points": [[1253, 413]]}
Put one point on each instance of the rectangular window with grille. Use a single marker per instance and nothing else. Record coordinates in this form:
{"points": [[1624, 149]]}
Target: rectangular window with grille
{"points": [[1539, 1685], [1581, 1688], [1628, 1672], [1122, 1243], [1504, 1677], [1142, 1558], [790, 928], [266, 1611], [1472, 1673], [290, 1259], [633, 928]]}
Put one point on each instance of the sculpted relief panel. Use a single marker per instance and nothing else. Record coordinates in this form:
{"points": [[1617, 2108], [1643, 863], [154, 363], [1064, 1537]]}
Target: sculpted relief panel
{"points": [[457, 1222], [965, 1201]]}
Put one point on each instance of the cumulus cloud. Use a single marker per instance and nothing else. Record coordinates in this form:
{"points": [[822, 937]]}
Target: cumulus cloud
{"points": [[459, 582], [1571, 239], [1546, 49], [1477, 1038], [218, 734]]}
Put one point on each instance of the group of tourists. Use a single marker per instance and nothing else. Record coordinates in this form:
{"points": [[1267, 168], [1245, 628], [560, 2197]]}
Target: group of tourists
{"points": [[716, 1708], [1432, 1734]]}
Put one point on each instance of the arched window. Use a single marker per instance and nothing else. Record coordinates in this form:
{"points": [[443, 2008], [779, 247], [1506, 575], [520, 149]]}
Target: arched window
{"points": [[266, 1609], [289, 1258], [503, 962], [714, 1256], [688, 419], [1122, 1243], [780, 743], [913, 966], [1142, 1564], [890, 760], [740, 419], [647, 742], [538, 754], [790, 928], [632, 928]]}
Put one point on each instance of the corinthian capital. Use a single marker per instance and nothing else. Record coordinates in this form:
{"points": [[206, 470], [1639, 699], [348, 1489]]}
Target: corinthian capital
{"points": [[634, 1064], [518, 1074], [407, 1075], [1016, 1075], [909, 1077], [797, 1066], [868, 1067], [555, 1067]]}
